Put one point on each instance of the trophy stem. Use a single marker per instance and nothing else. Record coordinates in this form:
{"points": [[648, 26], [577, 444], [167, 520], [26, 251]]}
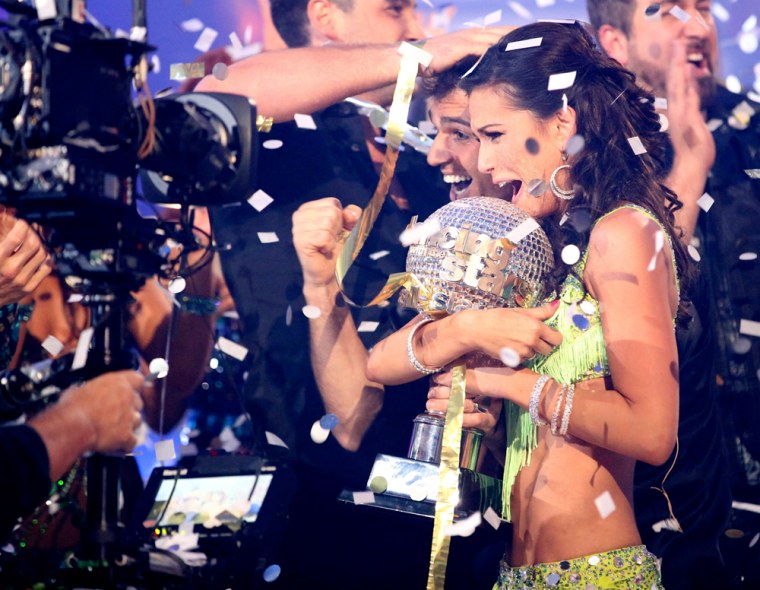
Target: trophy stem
{"points": [[427, 438]]}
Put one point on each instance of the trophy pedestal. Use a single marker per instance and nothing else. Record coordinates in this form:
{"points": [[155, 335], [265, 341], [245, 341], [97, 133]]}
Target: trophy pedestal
{"points": [[412, 487]]}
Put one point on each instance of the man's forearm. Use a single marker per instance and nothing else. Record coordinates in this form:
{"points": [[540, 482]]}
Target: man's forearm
{"points": [[339, 362]]}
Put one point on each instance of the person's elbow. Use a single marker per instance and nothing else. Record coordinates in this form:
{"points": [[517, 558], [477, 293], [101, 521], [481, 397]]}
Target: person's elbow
{"points": [[209, 84], [657, 445]]}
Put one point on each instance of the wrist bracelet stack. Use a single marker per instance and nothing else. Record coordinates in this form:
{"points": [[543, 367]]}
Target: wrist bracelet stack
{"points": [[535, 396], [410, 350]]}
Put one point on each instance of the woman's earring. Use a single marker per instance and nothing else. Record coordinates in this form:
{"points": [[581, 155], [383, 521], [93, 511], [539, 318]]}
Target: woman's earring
{"points": [[561, 193]]}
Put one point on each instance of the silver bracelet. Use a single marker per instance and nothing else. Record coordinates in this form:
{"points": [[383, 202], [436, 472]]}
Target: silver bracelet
{"points": [[555, 414], [568, 409], [410, 350], [534, 399]]}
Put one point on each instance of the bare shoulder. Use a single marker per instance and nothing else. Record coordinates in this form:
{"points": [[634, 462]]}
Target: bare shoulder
{"points": [[627, 235]]}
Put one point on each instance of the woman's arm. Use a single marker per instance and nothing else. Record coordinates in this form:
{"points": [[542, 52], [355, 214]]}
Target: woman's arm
{"points": [[639, 417]]}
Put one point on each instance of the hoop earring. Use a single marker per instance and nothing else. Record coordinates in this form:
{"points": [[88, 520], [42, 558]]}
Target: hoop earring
{"points": [[561, 193]]}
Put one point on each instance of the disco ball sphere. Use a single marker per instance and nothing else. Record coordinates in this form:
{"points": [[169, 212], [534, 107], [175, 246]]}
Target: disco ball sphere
{"points": [[469, 263]]}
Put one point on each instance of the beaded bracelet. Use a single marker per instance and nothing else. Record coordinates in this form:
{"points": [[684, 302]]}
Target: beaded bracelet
{"points": [[568, 409], [410, 350], [197, 305], [534, 399], [555, 415]]}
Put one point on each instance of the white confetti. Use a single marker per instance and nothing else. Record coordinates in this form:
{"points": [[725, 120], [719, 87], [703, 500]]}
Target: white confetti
{"points": [[521, 231], [694, 253], [748, 256], [509, 357], [260, 200], [364, 498], [379, 254], [520, 10], [544, 3], [680, 14], [367, 326], [575, 145], [733, 84], [235, 40], [419, 232], [52, 345], [669, 524], [158, 368], [177, 285], [749, 327], [748, 42], [46, 9], [719, 11], [664, 122], [304, 121], [571, 254], [155, 64], [83, 349], [289, 315], [605, 504], [714, 124], [561, 81], [220, 71], [492, 518], [274, 440], [75, 298], [492, 18], [248, 35], [749, 25], [754, 540], [165, 450], [464, 527], [637, 146], [753, 173], [267, 237], [588, 308], [205, 40], [230, 348], [412, 51], [230, 442], [524, 44], [271, 573], [661, 103], [272, 144], [427, 127], [705, 202], [318, 433], [192, 25], [418, 492], [311, 311]]}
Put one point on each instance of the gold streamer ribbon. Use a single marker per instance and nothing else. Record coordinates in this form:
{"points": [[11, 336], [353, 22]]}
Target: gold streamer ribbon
{"points": [[448, 481]]}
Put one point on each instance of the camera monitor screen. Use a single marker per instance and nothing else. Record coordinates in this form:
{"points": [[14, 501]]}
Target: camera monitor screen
{"points": [[208, 501]]}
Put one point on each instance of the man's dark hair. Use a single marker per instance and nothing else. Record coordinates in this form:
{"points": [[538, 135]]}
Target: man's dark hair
{"points": [[616, 13], [440, 85], [291, 19]]}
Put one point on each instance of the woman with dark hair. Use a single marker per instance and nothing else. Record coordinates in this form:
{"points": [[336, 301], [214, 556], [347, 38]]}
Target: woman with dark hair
{"points": [[583, 412]]}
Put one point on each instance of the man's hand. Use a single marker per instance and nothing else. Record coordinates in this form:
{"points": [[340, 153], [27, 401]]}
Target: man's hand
{"points": [[24, 262], [448, 49], [318, 233], [479, 411]]}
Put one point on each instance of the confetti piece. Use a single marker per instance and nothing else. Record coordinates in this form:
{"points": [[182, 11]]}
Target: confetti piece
{"points": [[319, 434], [271, 573], [418, 492], [412, 51], [492, 518], [748, 256], [379, 254], [492, 18], [749, 327], [260, 200], [544, 3], [235, 40], [155, 64], [749, 25], [558, 21], [230, 348], [230, 442], [205, 40], [637, 146], [220, 71], [364, 498], [524, 44], [719, 11], [75, 298], [753, 173], [192, 25], [605, 504], [311, 311], [664, 122], [378, 485], [661, 103], [304, 121], [272, 144], [561, 81], [669, 524], [521, 231], [328, 421], [46, 9], [464, 527], [754, 540], [289, 315], [367, 326], [165, 450], [536, 187], [419, 232], [509, 357], [652, 11], [158, 367], [694, 253], [705, 202], [186, 71], [520, 10], [575, 145], [52, 345], [714, 124], [275, 440], [82, 350], [570, 254], [267, 237], [741, 346], [588, 307], [427, 128], [177, 285], [734, 85], [680, 14]]}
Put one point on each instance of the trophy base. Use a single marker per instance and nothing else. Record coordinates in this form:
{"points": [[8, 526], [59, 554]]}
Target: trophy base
{"points": [[412, 488]]}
